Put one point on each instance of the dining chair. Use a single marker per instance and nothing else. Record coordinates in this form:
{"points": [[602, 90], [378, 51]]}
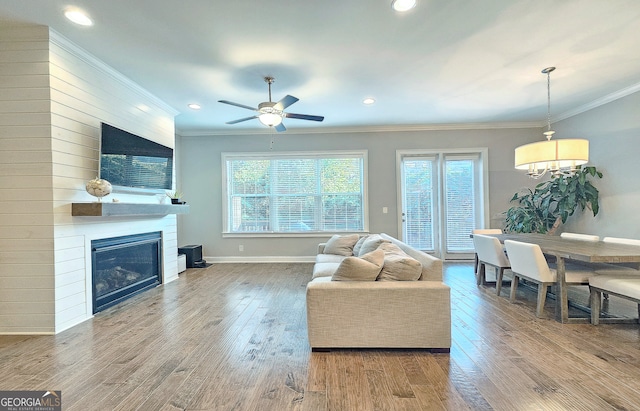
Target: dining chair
{"points": [[617, 269], [582, 237], [618, 240], [490, 252], [627, 287], [579, 237], [483, 231], [528, 262], [486, 231]]}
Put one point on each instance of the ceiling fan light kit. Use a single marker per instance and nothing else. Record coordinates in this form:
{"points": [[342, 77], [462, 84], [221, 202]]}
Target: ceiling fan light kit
{"points": [[272, 113], [270, 119], [560, 157]]}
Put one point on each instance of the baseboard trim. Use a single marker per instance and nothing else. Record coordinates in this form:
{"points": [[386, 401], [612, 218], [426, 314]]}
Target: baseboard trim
{"points": [[279, 259], [260, 259]]}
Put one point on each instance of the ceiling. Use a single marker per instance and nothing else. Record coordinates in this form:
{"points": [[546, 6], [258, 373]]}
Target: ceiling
{"points": [[442, 63]]}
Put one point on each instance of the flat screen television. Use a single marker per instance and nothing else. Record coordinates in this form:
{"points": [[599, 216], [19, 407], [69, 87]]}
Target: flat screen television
{"points": [[128, 160]]}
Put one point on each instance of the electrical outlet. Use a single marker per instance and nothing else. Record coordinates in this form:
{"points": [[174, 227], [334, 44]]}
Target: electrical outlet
{"points": [[241, 247], [385, 210]]}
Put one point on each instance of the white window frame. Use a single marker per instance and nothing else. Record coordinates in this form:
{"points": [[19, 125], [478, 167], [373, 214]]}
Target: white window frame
{"points": [[227, 156]]}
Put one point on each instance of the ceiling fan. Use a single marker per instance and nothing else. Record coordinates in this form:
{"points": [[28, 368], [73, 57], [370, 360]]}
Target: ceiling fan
{"points": [[271, 113]]}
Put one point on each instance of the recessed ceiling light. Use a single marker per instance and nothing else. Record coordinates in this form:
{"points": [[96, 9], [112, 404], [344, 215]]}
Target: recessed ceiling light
{"points": [[194, 106], [403, 5], [78, 16], [368, 101]]}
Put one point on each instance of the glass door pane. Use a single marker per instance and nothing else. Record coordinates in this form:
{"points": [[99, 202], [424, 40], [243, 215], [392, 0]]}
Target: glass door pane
{"points": [[418, 202], [460, 205]]}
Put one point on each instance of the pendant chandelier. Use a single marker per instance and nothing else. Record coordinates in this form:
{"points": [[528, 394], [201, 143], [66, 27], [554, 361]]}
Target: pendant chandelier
{"points": [[559, 157]]}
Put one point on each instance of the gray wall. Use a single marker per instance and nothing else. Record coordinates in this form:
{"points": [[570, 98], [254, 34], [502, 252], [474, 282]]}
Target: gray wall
{"points": [[613, 131], [200, 179]]}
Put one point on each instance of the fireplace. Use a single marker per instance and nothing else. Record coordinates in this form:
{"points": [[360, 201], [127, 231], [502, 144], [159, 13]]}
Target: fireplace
{"points": [[124, 266]]}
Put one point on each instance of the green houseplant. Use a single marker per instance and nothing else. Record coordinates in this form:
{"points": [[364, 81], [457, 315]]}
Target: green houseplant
{"points": [[175, 196], [552, 202]]}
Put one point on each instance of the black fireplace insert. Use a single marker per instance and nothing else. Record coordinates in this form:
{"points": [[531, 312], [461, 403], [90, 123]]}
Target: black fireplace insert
{"points": [[125, 266]]}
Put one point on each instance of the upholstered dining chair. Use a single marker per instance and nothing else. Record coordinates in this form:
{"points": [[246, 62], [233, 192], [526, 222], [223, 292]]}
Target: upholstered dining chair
{"points": [[616, 275], [487, 231], [528, 262], [490, 252], [575, 236], [483, 231], [582, 237], [617, 269], [618, 240]]}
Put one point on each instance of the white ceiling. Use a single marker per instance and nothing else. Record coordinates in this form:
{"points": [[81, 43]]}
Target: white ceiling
{"points": [[444, 62]]}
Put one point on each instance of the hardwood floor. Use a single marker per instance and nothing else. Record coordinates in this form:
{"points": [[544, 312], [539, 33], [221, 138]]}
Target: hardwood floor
{"points": [[233, 337]]}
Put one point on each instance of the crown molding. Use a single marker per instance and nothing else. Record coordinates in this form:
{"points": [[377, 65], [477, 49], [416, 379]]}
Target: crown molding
{"points": [[99, 65], [365, 129], [598, 102]]}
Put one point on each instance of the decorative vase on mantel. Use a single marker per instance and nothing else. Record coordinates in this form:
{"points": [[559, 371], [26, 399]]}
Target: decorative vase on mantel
{"points": [[99, 188]]}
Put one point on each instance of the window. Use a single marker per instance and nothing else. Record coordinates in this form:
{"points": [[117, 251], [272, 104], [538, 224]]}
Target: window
{"points": [[295, 193]]}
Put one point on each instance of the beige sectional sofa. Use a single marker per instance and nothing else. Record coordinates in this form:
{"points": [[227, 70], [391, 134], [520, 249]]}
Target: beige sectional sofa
{"points": [[379, 314]]}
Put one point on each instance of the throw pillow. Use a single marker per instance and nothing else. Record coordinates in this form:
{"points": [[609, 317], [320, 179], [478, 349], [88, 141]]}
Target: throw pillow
{"points": [[398, 266], [341, 244], [358, 246], [365, 268], [372, 242], [375, 257]]}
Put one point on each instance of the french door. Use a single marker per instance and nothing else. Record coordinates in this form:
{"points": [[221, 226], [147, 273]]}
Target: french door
{"points": [[442, 198]]}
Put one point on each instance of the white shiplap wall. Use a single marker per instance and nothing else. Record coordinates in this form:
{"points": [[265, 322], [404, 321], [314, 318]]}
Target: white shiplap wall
{"points": [[27, 286], [83, 93]]}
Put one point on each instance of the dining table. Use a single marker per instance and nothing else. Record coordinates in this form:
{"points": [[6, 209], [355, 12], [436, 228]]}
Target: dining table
{"points": [[587, 253]]}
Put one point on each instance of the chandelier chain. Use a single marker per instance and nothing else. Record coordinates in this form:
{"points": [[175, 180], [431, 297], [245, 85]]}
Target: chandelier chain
{"points": [[548, 101]]}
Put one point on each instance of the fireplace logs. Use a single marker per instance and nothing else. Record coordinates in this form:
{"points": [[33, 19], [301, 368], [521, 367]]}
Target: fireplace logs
{"points": [[124, 266]]}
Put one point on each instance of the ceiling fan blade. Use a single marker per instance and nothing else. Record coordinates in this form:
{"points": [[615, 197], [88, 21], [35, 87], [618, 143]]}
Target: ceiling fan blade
{"points": [[280, 127], [237, 104], [304, 116], [241, 120], [285, 102]]}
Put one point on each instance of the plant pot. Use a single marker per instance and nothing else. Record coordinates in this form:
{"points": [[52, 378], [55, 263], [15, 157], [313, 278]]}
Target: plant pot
{"points": [[176, 201]]}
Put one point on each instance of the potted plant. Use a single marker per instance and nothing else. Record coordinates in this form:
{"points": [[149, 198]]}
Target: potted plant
{"points": [[550, 203], [175, 197]]}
